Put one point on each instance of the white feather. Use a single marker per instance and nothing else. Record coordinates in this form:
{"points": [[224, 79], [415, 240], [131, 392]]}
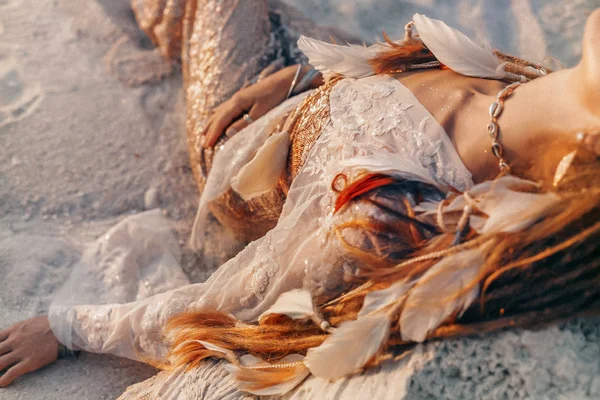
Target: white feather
{"points": [[455, 50], [514, 211], [219, 351], [349, 348], [382, 298], [351, 61], [507, 202], [393, 164], [296, 304], [435, 296], [563, 167], [229, 355], [482, 190], [248, 378], [262, 173]]}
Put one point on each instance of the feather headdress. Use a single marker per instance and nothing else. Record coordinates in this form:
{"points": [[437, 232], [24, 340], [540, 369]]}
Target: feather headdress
{"points": [[351, 61], [456, 51], [449, 46]]}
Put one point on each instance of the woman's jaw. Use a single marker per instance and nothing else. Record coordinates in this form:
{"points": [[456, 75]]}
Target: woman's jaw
{"points": [[586, 75], [543, 118]]}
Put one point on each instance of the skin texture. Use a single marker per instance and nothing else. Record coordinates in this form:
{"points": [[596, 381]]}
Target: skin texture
{"points": [[538, 115], [255, 100], [540, 121], [26, 347]]}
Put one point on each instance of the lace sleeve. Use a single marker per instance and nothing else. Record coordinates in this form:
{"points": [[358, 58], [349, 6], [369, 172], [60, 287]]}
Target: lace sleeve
{"points": [[301, 251], [297, 253]]}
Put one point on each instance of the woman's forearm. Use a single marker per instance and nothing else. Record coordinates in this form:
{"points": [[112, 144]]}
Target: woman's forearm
{"points": [[310, 78]]}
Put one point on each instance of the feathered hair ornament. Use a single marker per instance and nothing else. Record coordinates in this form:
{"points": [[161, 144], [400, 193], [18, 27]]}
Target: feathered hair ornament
{"points": [[427, 43], [442, 289]]}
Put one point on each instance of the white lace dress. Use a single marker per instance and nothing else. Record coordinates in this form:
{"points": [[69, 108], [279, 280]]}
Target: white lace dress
{"points": [[129, 283], [137, 259]]}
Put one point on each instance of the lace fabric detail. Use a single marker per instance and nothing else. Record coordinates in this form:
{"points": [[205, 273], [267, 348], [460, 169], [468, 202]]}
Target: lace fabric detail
{"points": [[379, 114], [365, 117], [96, 325], [263, 269], [136, 259], [151, 340], [111, 329], [312, 115]]}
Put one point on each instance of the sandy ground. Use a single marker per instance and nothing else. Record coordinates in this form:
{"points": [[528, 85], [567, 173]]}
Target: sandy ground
{"points": [[91, 130]]}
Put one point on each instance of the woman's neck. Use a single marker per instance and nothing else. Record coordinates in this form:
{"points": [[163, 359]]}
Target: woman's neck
{"points": [[537, 127], [540, 122]]}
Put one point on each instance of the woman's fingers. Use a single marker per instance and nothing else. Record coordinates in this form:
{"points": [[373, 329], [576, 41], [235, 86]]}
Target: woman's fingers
{"points": [[224, 116], [5, 347], [7, 361], [31, 341], [242, 122], [207, 127], [4, 334], [204, 132], [236, 127], [13, 373]]}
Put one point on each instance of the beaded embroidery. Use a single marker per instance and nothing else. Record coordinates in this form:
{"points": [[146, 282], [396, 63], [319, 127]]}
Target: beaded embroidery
{"points": [[312, 116]]}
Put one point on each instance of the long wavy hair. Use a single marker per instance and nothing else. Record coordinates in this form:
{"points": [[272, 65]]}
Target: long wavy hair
{"points": [[546, 273]]}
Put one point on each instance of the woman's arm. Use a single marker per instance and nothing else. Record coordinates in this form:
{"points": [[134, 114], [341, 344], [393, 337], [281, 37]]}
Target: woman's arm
{"points": [[301, 251], [256, 101], [292, 255]]}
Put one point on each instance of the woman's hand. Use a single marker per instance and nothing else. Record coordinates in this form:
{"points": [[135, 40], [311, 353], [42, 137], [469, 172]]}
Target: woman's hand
{"points": [[26, 347], [255, 100]]}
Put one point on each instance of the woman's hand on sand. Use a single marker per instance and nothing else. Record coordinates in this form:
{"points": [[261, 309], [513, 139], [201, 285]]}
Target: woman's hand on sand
{"points": [[255, 100], [26, 347]]}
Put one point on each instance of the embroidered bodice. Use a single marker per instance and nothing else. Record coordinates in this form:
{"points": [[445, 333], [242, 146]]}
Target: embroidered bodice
{"points": [[377, 114]]}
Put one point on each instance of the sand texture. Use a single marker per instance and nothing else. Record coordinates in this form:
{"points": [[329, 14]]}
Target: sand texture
{"points": [[92, 130]]}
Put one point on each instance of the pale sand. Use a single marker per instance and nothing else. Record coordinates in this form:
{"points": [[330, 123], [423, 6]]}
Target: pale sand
{"points": [[80, 147]]}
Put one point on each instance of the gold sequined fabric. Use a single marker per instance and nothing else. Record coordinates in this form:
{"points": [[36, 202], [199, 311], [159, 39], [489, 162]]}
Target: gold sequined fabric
{"points": [[224, 45], [225, 52], [311, 117], [250, 219], [162, 21]]}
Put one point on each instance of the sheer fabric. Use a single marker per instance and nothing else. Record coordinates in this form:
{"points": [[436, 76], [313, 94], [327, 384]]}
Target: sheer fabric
{"points": [[559, 362], [368, 116], [128, 284], [225, 45]]}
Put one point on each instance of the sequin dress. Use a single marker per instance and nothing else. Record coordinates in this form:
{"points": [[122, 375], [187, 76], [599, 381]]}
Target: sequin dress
{"points": [[130, 280], [225, 45]]}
